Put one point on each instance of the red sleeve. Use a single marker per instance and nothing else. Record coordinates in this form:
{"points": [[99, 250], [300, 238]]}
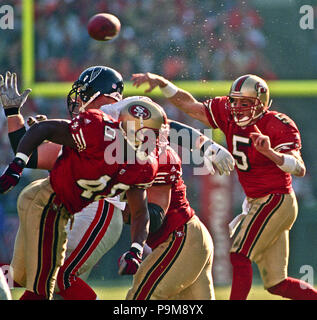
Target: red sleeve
{"points": [[141, 175], [168, 174], [87, 129], [287, 136], [169, 171], [217, 112]]}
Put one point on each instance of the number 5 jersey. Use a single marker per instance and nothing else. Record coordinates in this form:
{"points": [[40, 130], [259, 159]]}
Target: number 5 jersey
{"points": [[258, 175]]}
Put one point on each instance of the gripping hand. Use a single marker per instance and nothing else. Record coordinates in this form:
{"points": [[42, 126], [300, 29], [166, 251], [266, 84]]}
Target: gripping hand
{"points": [[215, 154], [130, 261], [11, 176]]}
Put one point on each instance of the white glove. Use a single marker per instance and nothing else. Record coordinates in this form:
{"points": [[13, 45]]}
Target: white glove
{"points": [[11, 99], [219, 156]]}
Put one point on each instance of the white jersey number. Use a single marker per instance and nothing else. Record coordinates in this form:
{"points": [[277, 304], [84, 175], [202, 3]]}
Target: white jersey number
{"points": [[241, 158]]}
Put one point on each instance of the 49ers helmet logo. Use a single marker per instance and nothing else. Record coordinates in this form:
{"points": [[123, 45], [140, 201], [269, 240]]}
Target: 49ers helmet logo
{"points": [[140, 112], [259, 88]]}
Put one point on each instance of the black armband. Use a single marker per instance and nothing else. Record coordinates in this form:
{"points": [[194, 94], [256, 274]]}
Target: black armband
{"points": [[187, 139], [204, 147], [11, 111], [157, 216], [15, 138]]}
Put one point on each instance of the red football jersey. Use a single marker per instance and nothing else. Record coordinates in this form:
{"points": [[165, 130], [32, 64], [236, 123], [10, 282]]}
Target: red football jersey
{"points": [[258, 175], [179, 211], [90, 172]]}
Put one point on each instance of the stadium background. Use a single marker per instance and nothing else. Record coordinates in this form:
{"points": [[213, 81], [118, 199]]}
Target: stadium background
{"points": [[201, 46]]}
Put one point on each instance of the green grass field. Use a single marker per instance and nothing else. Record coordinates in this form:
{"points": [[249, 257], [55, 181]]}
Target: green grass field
{"points": [[118, 290]]}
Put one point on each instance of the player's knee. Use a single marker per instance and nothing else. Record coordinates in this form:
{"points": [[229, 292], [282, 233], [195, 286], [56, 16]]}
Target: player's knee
{"points": [[239, 260]]}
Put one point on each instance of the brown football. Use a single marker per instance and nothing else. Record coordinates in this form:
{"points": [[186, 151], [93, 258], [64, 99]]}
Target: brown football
{"points": [[103, 26]]}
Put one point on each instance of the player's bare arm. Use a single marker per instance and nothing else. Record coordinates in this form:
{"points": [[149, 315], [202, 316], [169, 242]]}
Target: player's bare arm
{"points": [[291, 162], [130, 261], [52, 130], [137, 200], [47, 152], [159, 198], [160, 195], [56, 131], [179, 97]]}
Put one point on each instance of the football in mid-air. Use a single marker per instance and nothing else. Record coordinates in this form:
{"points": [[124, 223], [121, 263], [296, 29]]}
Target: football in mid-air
{"points": [[103, 26]]}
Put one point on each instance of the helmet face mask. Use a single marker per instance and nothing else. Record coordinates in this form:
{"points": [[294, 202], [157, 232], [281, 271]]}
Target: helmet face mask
{"points": [[93, 82], [245, 110], [248, 99], [73, 103]]}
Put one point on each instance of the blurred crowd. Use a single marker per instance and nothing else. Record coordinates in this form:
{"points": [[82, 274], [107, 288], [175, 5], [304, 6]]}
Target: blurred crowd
{"points": [[180, 39]]}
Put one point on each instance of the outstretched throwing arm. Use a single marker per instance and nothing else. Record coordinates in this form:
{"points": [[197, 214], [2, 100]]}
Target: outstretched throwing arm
{"points": [[177, 96]]}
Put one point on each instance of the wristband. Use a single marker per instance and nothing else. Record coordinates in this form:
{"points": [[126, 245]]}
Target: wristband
{"points": [[22, 156], [10, 112], [15, 137], [169, 90], [205, 146], [137, 246], [290, 164]]}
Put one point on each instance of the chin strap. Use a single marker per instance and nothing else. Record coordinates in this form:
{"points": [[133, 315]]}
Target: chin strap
{"points": [[92, 98]]}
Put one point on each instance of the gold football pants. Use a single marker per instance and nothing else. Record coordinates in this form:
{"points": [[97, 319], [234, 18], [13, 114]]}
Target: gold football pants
{"points": [[264, 235], [179, 268], [40, 242]]}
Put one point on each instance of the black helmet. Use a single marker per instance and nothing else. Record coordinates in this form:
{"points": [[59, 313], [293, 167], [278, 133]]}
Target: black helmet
{"points": [[93, 82]]}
